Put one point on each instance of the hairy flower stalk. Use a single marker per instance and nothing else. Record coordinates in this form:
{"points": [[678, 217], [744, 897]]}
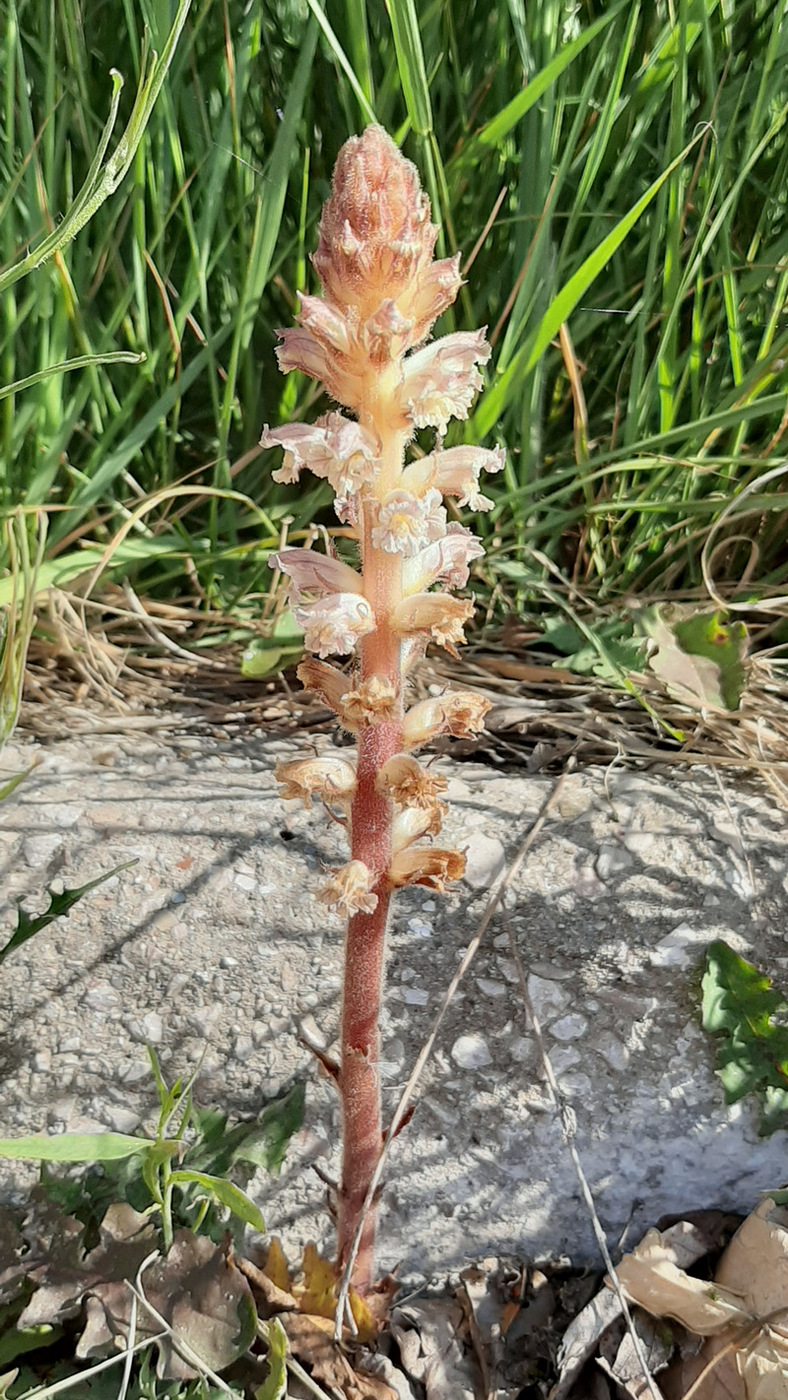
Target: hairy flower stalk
{"points": [[366, 341]]}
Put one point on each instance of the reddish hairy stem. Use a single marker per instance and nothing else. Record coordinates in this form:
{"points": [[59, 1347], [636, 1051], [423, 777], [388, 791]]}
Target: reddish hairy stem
{"points": [[365, 951], [371, 819]]}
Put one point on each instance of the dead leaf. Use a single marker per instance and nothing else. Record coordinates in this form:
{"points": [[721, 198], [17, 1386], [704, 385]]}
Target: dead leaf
{"points": [[656, 1340], [311, 1340], [276, 1268], [582, 1337], [598, 1326], [207, 1303], [203, 1298], [755, 1265], [66, 1275], [650, 1278], [427, 1334], [698, 657], [743, 1314]]}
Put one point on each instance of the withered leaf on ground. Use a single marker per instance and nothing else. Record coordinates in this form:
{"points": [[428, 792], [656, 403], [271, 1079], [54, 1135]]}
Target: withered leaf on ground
{"points": [[203, 1298], [65, 1274], [742, 1314], [311, 1340], [683, 1243], [207, 1303], [427, 1333], [624, 1365]]}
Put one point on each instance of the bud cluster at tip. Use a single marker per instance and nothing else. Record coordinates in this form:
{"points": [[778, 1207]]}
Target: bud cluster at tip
{"points": [[366, 341]]}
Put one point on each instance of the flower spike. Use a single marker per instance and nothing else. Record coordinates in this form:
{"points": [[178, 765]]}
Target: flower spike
{"points": [[366, 340]]}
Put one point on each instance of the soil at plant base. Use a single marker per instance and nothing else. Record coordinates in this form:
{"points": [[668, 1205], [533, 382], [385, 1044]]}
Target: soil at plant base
{"points": [[213, 945]]}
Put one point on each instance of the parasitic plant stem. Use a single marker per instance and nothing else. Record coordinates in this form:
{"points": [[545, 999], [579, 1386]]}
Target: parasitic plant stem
{"points": [[367, 342]]}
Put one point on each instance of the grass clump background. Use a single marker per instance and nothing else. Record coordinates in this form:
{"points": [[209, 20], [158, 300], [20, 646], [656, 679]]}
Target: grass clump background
{"points": [[617, 173]]}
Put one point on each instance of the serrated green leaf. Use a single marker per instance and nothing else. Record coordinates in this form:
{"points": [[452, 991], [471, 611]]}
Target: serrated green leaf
{"points": [[81, 1147], [226, 1193], [59, 905], [266, 1144], [740, 1005]]}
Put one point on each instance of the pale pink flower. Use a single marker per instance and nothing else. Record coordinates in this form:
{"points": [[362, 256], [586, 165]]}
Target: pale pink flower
{"points": [[313, 573], [301, 349], [331, 779], [333, 626], [459, 713], [334, 447], [305, 445], [438, 614], [455, 472], [441, 380], [446, 561], [406, 523], [356, 454], [350, 890]]}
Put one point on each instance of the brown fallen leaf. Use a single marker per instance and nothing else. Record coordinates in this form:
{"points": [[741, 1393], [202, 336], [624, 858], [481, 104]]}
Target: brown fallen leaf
{"points": [[743, 1314], [311, 1340], [66, 1274], [751, 1362], [427, 1334], [204, 1300]]}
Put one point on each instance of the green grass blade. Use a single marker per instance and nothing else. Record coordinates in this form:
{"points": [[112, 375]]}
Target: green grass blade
{"points": [[410, 61]]}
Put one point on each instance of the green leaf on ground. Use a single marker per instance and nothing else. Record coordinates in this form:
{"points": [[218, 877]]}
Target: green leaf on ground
{"points": [[740, 1005], [265, 1145], [699, 658], [81, 1147], [59, 905], [615, 647], [265, 656], [274, 1387], [226, 1193]]}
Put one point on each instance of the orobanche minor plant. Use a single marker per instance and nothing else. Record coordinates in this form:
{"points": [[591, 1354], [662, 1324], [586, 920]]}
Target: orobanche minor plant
{"points": [[366, 341]]}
